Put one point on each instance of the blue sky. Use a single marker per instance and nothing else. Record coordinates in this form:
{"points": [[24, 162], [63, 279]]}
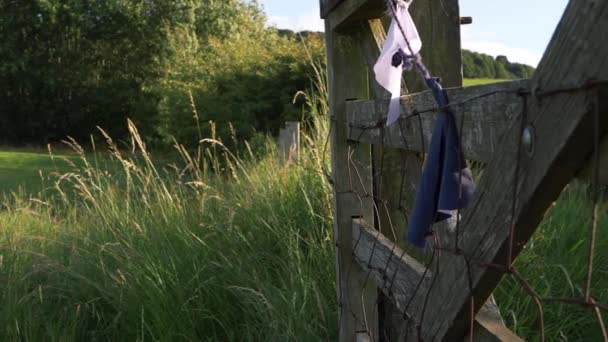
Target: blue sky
{"points": [[519, 29]]}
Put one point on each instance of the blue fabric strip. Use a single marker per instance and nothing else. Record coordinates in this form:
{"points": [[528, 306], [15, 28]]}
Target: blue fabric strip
{"points": [[447, 183]]}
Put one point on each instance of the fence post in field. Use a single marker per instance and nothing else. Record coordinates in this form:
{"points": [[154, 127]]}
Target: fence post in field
{"points": [[289, 140], [348, 80]]}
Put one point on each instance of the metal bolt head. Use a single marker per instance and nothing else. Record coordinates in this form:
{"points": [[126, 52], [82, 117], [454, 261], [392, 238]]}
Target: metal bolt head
{"points": [[527, 139]]}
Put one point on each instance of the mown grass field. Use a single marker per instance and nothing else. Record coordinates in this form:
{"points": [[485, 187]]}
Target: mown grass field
{"points": [[480, 81], [29, 169]]}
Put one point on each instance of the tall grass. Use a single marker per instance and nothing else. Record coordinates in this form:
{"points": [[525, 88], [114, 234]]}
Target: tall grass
{"points": [[145, 252], [555, 263]]}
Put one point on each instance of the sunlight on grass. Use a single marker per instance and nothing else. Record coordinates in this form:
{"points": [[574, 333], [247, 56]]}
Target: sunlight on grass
{"points": [[217, 246], [479, 81], [555, 264], [29, 170], [171, 252]]}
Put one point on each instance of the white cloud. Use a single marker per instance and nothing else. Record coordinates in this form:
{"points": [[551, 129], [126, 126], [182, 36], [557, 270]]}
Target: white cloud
{"points": [[487, 43], [308, 21]]}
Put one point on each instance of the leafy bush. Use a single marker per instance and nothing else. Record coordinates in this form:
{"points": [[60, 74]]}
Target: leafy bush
{"points": [[70, 66], [249, 82]]}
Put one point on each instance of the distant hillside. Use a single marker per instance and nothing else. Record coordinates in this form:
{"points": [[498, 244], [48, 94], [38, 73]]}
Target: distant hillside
{"points": [[297, 35], [475, 65], [478, 65]]}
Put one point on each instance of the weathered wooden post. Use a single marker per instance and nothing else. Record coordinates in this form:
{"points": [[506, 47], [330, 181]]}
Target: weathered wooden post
{"points": [[349, 80], [397, 172]]}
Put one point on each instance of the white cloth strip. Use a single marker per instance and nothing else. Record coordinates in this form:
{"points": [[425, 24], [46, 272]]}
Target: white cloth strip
{"points": [[387, 76]]}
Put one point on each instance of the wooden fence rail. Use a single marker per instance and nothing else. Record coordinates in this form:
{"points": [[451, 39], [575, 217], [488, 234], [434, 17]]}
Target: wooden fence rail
{"points": [[484, 118]]}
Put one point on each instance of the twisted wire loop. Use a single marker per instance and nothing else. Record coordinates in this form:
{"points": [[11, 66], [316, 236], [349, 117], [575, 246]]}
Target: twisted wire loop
{"points": [[437, 249]]}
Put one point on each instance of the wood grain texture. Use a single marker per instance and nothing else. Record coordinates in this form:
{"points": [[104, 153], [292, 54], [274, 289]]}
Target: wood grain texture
{"points": [[399, 276], [397, 172], [392, 168], [352, 12], [394, 272], [395, 169], [561, 125], [563, 128], [438, 24], [489, 328], [484, 120], [437, 21], [327, 6], [351, 173]]}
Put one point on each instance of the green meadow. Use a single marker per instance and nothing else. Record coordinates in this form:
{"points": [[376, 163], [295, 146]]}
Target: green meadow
{"points": [[29, 170], [480, 81]]}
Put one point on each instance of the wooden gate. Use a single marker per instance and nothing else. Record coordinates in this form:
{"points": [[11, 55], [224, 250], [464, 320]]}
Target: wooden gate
{"points": [[532, 136]]}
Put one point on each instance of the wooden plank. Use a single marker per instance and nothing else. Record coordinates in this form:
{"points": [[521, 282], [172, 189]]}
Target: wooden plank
{"points": [[563, 127], [351, 15], [399, 277], [352, 12], [392, 169], [397, 172], [327, 6], [438, 23], [396, 274], [490, 328], [484, 122], [587, 171], [485, 119], [351, 174]]}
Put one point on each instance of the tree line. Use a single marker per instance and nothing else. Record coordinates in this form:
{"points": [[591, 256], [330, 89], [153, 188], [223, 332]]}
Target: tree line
{"points": [[478, 65], [172, 66], [68, 66], [475, 65]]}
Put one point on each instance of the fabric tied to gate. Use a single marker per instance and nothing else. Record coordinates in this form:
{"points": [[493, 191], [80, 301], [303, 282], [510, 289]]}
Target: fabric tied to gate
{"points": [[447, 183], [387, 75]]}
